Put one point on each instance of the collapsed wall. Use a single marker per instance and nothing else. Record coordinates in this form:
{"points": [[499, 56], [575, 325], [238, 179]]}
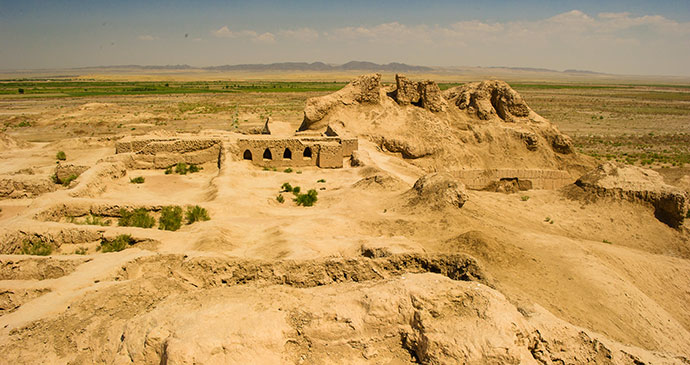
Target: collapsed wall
{"points": [[479, 132], [623, 182], [161, 152]]}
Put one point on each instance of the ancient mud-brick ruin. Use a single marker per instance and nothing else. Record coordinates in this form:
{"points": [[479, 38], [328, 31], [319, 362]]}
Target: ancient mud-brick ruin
{"points": [[276, 146]]}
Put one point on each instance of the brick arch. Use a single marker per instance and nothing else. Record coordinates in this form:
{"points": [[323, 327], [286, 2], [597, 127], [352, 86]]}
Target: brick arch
{"points": [[308, 153]]}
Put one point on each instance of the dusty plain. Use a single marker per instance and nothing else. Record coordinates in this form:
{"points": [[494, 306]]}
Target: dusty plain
{"points": [[361, 276]]}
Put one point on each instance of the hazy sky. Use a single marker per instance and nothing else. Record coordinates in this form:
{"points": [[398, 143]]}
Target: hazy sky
{"points": [[624, 37]]}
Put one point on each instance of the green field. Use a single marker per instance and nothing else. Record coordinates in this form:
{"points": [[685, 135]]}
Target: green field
{"points": [[100, 88]]}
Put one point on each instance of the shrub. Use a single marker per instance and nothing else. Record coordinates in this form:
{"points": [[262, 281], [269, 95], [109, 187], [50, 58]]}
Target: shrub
{"points": [[321, 181], [20, 90], [61, 156], [296, 190], [181, 168], [171, 218], [118, 244], [194, 168], [298, 172], [37, 247], [280, 198], [288, 170], [139, 217], [69, 179], [137, 180], [307, 199], [524, 198], [286, 187], [196, 214], [80, 251], [91, 220], [168, 171], [54, 179], [609, 242]]}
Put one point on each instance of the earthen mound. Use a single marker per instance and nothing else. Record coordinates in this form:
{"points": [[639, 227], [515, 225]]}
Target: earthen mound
{"points": [[63, 172], [620, 181], [7, 142], [438, 190], [491, 99], [380, 181], [365, 89], [478, 126], [25, 186]]}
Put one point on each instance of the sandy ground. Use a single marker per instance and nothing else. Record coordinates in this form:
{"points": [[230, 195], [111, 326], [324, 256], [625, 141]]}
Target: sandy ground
{"points": [[236, 288]]}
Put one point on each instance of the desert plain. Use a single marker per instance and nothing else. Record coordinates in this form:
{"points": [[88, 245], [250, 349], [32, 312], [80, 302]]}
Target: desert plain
{"points": [[403, 258]]}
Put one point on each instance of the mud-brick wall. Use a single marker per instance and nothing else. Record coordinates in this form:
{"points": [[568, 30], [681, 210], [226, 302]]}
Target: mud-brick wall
{"points": [[134, 145], [330, 155], [540, 179], [277, 147], [349, 145]]}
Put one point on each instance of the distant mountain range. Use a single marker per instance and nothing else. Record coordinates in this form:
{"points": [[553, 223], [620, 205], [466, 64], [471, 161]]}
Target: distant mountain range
{"points": [[321, 66], [290, 66]]}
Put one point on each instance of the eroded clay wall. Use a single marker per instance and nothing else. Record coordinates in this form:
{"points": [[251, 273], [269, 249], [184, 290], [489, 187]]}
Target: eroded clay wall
{"points": [[157, 153], [277, 148], [541, 179], [349, 145], [331, 155]]}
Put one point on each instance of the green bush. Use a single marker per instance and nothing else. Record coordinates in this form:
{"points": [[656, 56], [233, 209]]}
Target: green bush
{"points": [[286, 187], [181, 168], [61, 156], [171, 218], [280, 198], [54, 179], [37, 247], [320, 181], [168, 171], [194, 168], [118, 244], [137, 180], [288, 170], [296, 190], [196, 214], [139, 217], [307, 199], [69, 179], [94, 220], [524, 198]]}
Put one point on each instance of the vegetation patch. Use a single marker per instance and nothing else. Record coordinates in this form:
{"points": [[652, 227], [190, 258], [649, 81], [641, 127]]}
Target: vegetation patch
{"points": [[68, 180], [280, 198], [139, 217], [117, 244], [90, 220], [61, 156], [36, 246], [171, 218], [137, 180], [308, 199], [196, 214], [182, 169]]}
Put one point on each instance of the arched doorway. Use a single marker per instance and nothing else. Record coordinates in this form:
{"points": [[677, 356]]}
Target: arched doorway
{"points": [[307, 153], [268, 155], [247, 155], [287, 154]]}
